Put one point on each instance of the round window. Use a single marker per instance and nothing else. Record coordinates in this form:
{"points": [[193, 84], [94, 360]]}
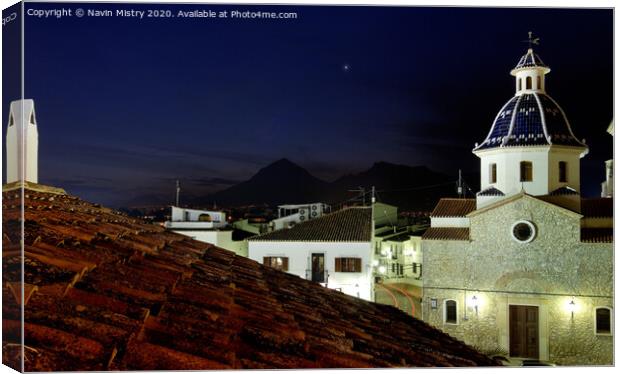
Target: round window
{"points": [[523, 231]]}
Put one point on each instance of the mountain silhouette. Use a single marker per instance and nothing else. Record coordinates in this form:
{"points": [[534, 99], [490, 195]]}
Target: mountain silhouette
{"points": [[408, 187], [278, 183], [284, 182]]}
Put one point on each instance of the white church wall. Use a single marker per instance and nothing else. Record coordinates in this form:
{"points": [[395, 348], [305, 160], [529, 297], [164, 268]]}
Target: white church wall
{"points": [[572, 158], [509, 170]]}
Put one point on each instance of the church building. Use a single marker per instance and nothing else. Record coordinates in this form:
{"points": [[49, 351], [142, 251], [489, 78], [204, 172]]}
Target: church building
{"points": [[525, 269]]}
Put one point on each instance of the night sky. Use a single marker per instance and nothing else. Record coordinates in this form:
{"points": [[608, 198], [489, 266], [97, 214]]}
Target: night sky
{"points": [[126, 106]]}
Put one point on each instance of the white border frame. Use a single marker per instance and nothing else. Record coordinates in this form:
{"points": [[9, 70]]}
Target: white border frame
{"points": [[532, 227]]}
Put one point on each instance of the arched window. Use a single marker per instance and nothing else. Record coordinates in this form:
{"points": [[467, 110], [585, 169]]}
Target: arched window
{"points": [[493, 173], [528, 83], [450, 312], [519, 84], [562, 170], [602, 321], [526, 171], [205, 218], [538, 85]]}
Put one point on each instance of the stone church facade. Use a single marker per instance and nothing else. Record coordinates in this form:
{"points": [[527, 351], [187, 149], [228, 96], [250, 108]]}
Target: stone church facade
{"points": [[526, 268]]}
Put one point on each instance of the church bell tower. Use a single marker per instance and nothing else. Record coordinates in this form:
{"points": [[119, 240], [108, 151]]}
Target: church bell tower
{"points": [[531, 147]]}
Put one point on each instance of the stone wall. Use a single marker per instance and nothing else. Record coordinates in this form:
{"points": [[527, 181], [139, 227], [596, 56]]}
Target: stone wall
{"points": [[548, 272]]}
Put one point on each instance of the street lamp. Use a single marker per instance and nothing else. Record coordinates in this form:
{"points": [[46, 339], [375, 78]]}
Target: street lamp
{"points": [[474, 303], [571, 308]]}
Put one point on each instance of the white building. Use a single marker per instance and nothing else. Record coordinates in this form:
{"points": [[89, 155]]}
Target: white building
{"points": [[188, 218], [207, 226], [292, 214], [22, 143], [607, 187], [527, 267], [334, 250]]}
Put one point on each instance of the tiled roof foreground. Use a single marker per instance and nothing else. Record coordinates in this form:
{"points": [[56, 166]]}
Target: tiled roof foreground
{"points": [[347, 225], [108, 292]]}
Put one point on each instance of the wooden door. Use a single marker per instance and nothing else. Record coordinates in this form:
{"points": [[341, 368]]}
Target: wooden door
{"points": [[318, 267], [524, 331]]}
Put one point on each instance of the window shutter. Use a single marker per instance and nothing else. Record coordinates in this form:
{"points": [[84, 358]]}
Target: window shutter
{"points": [[358, 265], [285, 263], [338, 264]]}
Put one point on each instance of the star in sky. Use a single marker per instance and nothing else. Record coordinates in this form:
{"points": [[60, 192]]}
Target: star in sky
{"points": [[346, 67]]}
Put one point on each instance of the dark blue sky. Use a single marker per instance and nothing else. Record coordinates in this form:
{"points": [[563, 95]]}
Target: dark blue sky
{"points": [[126, 106]]}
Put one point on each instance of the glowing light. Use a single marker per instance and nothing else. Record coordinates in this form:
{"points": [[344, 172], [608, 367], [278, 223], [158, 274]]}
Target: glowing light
{"points": [[382, 269], [572, 307], [375, 262], [474, 301]]}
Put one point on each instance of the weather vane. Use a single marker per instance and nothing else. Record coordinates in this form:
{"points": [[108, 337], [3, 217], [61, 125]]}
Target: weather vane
{"points": [[531, 40]]}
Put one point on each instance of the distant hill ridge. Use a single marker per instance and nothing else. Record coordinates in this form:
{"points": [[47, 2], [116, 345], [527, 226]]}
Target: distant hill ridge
{"points": [[283, 181]]}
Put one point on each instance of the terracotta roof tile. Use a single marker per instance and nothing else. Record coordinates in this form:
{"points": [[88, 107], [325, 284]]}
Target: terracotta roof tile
{"points": [[600, 207], [597, 235], [346, 225], [108, 292], [446, 233], [454, 207]]}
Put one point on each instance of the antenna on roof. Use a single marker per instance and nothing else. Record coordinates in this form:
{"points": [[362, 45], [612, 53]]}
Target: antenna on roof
{"points": [[178, 192], [459, 187], [531, 40], [362, 194]]}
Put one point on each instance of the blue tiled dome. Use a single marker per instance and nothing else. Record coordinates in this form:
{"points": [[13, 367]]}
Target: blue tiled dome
{"points": [[529, 60], [530, 119]]}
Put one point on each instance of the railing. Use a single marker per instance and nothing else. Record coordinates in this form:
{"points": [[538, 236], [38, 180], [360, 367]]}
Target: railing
{"points": [[325, 274]]}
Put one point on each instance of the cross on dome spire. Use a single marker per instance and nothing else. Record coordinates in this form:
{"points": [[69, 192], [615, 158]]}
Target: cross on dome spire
{"points": [[531, 40]]}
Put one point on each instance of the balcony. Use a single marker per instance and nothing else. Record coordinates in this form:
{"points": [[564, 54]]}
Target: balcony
{"points": [[317, 276]]}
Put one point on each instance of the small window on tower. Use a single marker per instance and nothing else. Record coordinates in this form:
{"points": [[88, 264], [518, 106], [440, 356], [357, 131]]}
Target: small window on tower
{"points": [[32, 118], [450, 312], [11, 121], [563, 171], [493, 173], [526, 171], [519, 84], [603, 321], [528, 83], [538, 85]]}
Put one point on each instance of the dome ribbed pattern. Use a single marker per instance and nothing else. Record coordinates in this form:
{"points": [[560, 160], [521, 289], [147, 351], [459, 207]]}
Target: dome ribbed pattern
{"points": [[530, 59], [528, 120]]}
